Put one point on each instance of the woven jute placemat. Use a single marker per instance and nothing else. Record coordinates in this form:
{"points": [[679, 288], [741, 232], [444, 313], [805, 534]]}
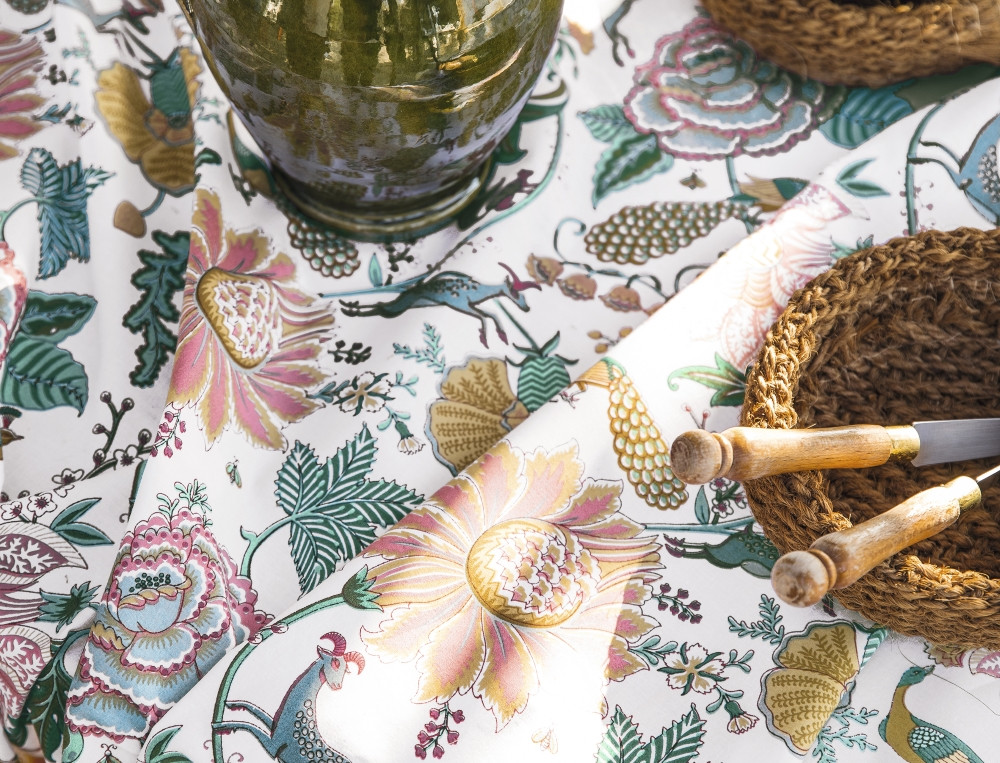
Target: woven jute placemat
{"points": [[869, 44], [894, 334]]}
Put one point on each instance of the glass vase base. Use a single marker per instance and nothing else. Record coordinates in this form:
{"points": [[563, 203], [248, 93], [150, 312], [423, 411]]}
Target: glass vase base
{"points": [[384, 225]]}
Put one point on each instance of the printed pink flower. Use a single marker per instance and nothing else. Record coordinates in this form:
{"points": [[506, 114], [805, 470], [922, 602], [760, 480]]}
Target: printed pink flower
{"points": [[20, 59], [516, 571], [176, 603], [706, 95], [248, 341], [777, 260]]}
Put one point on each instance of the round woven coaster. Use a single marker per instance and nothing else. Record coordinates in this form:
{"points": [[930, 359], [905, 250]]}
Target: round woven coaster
{"points": [[898, 333], [870, 44]]}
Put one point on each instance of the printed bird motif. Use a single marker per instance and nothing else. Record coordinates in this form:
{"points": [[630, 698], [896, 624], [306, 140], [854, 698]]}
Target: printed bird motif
{"points": [[918, 741], [13, 294], [976, 174]]}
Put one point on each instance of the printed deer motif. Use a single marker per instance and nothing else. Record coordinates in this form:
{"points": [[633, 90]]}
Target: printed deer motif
{"points": [[292, 735], [450, 289]]}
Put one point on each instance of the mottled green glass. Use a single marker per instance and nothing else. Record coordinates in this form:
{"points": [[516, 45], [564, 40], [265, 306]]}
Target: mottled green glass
{"points": [[376, 110]]}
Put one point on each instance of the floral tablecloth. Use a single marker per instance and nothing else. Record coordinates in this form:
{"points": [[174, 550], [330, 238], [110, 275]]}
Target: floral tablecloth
{"points": [[271, 493]]}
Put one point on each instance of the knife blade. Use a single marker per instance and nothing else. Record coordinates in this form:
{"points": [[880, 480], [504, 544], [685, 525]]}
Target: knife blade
{"points": [[802, 578], [743, 453]]}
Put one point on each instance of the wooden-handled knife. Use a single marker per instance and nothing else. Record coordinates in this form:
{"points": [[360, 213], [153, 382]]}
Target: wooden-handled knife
{"points": [[743, 453], [802, 578]]}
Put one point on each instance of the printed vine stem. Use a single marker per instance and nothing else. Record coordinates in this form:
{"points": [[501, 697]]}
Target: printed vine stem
{"points": [[5, 215], [726, 527], [255, 539], [911, 155], [653, 283], [734, 185], [244, 653]]}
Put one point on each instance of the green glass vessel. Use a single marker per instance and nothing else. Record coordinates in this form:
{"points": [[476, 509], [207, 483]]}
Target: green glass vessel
{"points": [[378, 116]]}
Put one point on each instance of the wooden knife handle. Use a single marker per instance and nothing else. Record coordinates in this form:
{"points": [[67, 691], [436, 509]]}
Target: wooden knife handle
{"points": [[743, 453], [802, 578]]}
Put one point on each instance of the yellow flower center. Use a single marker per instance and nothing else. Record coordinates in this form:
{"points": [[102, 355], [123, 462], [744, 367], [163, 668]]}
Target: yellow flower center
{"points": [[531, 572], [244, 312]]}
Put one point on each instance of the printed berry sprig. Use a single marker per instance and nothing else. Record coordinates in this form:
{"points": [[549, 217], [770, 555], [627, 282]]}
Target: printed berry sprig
{"points": [[436, 729], [678, 604]]}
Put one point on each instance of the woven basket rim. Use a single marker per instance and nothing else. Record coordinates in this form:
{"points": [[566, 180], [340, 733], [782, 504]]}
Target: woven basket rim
{"points": [[791, 507], [832, 42]]}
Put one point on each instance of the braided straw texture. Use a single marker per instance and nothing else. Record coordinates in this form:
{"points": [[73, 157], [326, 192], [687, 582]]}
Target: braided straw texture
{"points": [[890, 335], [842, 43]]}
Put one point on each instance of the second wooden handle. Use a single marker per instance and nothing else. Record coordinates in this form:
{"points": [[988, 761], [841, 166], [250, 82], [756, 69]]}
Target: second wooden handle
{"points": [[802, 578], [743, 453]]}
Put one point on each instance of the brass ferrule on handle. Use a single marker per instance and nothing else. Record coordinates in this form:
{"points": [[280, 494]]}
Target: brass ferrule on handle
{"points": [[802, 578], [743, 453]]}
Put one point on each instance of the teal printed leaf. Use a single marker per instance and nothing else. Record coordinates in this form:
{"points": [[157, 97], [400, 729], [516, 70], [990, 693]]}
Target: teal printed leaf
{"points": [[53, 317], [40, 376], [374, 271], [865, 113], [541, 379], [848, 180], [628, 161], [157, 752], [158, 282], [61, 193], [622, 742], [726, 379], [62, 609], [509, 151], [607, 123], [681, 741], [300, 480], [79, 533], [333, 509], [701, 508]]}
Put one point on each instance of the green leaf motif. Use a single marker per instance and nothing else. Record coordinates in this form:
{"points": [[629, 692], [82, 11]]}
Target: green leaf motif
{"points": [[622, 742], [333, 509], [53, 317], [374, 271], [509, 151], [156, 749], [79, 533], [41, 375], [608, 123], [45, 706], [848, 180], [541, 379], [158, 281], [62, 609], [726, 379], [865, 113], [629, 160], [61, 193], [701, 508]]}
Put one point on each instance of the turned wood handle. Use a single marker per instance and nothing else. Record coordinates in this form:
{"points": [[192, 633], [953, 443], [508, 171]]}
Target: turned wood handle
{"points": [[744, 453], [802, 578]]}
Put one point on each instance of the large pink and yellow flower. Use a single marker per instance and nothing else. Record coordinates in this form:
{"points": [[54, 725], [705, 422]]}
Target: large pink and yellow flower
{"points": [[176, 604], [514, 570], [248, 340]]}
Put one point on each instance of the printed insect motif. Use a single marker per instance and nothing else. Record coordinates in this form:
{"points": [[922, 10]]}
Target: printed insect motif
{"points": [[232, 469], [915, 740], [976, 174], [448, 289], [293, 735]]}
